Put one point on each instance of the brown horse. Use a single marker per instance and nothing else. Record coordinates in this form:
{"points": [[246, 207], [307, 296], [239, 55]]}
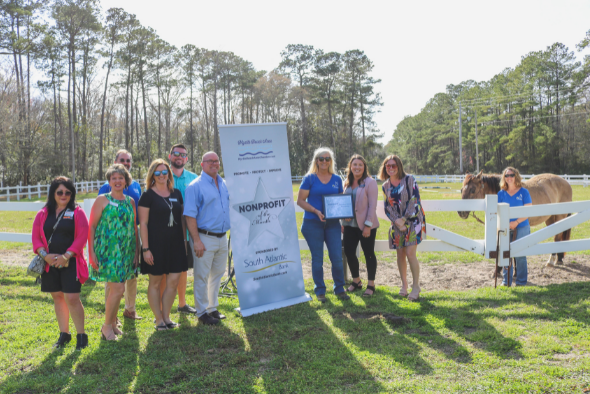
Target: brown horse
{"points": [[543, 188]]}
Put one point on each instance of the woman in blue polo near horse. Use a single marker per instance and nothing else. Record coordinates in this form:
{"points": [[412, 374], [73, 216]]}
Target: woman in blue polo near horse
{"points": [[513, 193]]}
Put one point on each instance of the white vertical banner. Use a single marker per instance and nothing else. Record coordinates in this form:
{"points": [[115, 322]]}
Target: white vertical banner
{"points": [[264, 236]]}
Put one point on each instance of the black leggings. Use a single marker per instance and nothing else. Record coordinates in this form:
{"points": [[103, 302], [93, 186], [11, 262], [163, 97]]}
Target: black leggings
{"points": [[352, 236]]}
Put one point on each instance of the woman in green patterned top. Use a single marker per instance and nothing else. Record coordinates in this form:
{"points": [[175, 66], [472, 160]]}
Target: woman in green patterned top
{"points": [[113, 244]]}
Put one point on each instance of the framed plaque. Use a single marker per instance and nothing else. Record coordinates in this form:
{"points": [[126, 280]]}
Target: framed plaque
{"points": [[338, 206]]}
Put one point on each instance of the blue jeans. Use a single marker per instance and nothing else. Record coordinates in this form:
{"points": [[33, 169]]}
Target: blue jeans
{"points": [[521, 264], [316, 233]]}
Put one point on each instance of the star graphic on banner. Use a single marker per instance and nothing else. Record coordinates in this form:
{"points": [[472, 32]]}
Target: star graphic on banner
{"points": [[263, 212]]}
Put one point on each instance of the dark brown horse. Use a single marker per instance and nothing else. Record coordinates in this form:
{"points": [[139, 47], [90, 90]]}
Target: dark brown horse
{"points": [[543, 188]]}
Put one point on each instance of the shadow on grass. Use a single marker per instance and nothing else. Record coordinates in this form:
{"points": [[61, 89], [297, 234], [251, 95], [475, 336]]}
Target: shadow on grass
{"points": [[49, 376], [112, 367], [194, 358], [295, 347]]}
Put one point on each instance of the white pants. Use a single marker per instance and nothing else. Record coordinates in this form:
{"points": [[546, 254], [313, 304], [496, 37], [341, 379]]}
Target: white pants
{"points": [[208, 271], [130, 293]]}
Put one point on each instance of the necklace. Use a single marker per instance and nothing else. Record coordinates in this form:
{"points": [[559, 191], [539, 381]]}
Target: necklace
{"points": [[171, 221]]}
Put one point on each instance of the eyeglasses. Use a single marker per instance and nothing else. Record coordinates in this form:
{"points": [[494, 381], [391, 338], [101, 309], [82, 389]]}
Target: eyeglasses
{"points": [[509, 175], [163, 172], [61, 193], [125, 160], [326, 159], [183, 155], [211, 162], [391, 166]]}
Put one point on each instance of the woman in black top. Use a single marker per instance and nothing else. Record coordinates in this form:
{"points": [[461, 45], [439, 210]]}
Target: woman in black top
{"points": [[59, 234], [163, 242]]}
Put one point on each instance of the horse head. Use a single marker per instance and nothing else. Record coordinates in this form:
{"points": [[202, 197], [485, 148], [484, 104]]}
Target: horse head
{"points": [[473, 187]]}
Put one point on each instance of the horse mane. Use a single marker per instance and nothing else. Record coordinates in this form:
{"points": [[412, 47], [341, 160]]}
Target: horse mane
{"points": [[491, 180]]}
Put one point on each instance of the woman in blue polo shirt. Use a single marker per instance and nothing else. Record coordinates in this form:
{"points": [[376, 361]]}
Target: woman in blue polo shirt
{"points": [[513, 193], [319, 181]]}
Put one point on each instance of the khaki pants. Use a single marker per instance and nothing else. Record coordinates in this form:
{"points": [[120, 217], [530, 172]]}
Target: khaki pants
{"points": [[130, 293], [208, 271]]}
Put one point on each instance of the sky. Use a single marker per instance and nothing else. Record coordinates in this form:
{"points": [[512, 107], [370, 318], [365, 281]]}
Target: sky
{"points": [[417, 47]]}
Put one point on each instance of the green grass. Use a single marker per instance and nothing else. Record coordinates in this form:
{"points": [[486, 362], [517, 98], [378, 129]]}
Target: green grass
{"points": [[528, 339]]}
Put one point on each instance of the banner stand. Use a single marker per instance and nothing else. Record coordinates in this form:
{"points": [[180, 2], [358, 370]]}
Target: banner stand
{"points": [[275, 305]]}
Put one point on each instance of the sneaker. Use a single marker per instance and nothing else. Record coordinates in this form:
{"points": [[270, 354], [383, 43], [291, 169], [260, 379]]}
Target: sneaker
{"points": [[187, 309], [206, 319], [343, 296], [321, 298]]}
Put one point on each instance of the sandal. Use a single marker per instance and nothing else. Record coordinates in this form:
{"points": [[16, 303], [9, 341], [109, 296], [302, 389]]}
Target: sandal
{"points": [[116, 329], [172, 325], [161, 327], [110, 336], [414, 298], [372, 288], [402, 293], [355, 286]]}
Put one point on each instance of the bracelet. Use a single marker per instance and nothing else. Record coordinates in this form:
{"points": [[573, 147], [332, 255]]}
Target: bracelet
{"points": [[145, 249]]}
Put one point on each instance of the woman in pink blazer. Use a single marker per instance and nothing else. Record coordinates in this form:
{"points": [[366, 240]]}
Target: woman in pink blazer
{"points": [[363, 227], [59, 236]]}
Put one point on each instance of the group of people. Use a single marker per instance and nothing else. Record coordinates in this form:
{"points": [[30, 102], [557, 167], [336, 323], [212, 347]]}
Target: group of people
{"points": [[180, 222], [402, 206]]}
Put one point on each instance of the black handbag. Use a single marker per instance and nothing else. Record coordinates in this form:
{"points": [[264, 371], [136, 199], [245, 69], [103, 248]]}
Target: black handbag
{"points": [[37, 265]]}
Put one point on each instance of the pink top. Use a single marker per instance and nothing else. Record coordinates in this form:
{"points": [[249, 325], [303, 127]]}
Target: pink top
{"points": [[80, 238], [365, 205]]}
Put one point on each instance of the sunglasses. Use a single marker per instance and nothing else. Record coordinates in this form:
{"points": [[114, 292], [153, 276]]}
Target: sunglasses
{"points": [[163, 172], [391, 166], [509, 175], [326, 159], [125, 160], [61, 193], [183, 155]]}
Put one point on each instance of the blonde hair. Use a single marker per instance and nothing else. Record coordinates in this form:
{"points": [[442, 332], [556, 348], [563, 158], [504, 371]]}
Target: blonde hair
{"points": [[121, 170], [517, 178], [149, 179], [400, 168], [313, 166]]}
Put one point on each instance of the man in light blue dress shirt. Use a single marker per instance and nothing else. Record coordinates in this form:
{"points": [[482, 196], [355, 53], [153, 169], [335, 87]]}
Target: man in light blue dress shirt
{"points": [[206, 208]]}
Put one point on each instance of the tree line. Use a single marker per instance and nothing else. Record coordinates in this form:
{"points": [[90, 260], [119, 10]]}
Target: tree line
{"points": [[77, 84], [535, 117]]}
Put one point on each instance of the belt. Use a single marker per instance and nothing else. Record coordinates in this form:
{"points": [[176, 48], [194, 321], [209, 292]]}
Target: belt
{"points": [[218, 235]]}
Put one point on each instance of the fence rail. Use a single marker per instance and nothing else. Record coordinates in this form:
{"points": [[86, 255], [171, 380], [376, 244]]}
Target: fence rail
{"points": [[36, 191]]}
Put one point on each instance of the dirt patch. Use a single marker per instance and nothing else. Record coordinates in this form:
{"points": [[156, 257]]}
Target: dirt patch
{"points": [[458, 276], [461, 276]]}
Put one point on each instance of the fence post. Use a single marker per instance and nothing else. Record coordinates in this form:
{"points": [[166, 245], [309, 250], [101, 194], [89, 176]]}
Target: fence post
{"points": [[18, 191], [504, 233], [38, 190], [29, 192], [491, 224], [7, 193]]}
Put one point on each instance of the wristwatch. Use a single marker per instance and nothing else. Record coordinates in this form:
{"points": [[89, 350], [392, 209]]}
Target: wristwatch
{"points": [[145, 249]]}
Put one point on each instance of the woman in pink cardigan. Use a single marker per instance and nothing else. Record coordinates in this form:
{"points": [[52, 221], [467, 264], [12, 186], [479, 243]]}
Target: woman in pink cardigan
{"points": [[363, 227], [60, 231]]}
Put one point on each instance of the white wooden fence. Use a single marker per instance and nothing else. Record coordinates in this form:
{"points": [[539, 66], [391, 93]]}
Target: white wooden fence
{"points": [[36, 191], [572, 179], [497, 218]]}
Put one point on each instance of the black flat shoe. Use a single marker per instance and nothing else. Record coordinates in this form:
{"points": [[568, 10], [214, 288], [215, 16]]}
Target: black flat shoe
{"points": [[81, 341], [63, 339], [206, 319], [217, 315]]}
